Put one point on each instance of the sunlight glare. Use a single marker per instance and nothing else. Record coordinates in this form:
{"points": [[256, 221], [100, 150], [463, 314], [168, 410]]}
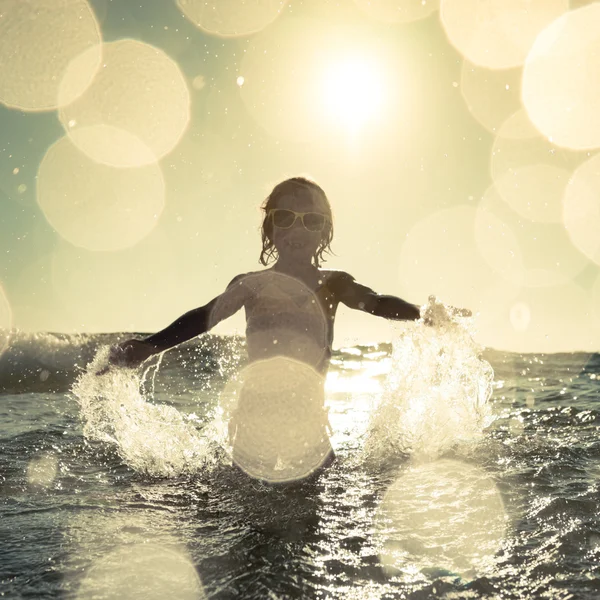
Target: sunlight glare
{"points": [[353, 92]]}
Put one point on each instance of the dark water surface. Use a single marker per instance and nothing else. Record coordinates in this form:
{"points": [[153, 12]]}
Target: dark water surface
{"points": [[509, 513]]}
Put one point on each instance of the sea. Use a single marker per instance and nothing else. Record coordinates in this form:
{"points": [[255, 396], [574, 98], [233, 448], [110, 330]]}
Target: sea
{"points": [[461, 472]]}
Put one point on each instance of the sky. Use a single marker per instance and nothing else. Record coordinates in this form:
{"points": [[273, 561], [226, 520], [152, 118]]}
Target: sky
{"points": [[457, 141]]}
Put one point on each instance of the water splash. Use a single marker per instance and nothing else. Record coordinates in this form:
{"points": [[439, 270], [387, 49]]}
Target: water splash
{"points": [[438, 390], [153, 439]]}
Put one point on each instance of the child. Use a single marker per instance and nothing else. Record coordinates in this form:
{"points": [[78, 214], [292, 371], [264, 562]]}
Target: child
{"points": [[278, 430]]}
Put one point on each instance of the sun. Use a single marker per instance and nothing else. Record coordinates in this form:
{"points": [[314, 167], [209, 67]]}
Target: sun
{"points": [[352, 92]]}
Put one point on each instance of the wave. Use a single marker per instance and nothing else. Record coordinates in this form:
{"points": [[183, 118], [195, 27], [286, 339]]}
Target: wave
{"points": [[51, 362]]}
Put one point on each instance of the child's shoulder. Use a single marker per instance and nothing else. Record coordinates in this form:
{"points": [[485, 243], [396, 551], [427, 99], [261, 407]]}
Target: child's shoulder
{"points": [[335, 277]]}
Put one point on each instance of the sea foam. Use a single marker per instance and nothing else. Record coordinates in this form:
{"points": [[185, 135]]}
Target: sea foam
{"points": [[151, 438], [437, 392]]}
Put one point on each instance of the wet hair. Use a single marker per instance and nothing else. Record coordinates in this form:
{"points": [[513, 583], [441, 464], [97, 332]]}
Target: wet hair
{"points": [[285, 188]]}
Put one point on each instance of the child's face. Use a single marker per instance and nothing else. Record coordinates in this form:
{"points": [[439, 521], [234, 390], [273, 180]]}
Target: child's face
{"points": [[297, 242]]}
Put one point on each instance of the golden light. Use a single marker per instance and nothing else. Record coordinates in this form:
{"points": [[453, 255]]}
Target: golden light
{"points": [[581, 208], [136, 109], [445, 516], [95, 206], [497, 34], [560, 89], [231, 18], [38, 41], [352, 91]]}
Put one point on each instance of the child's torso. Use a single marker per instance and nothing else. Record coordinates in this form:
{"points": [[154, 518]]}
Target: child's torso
{"points": [[285, 317]]}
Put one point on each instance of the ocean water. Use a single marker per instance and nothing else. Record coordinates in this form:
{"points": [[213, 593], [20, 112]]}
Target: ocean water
{"points": [[459, 473]]}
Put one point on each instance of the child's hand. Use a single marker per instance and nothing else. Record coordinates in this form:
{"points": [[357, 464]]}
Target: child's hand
{"points": [[437, 313], [130, 353]]}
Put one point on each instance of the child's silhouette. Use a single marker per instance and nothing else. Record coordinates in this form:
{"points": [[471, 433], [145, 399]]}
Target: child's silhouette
{"points": [[279, 428]]}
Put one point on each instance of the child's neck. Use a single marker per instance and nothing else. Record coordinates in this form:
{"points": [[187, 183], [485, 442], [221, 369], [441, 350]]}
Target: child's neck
{"points": [[302, 271]]}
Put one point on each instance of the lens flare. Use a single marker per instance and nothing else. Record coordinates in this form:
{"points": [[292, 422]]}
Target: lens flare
{"points": [[581, 208], [441, 517], [522, 251], [459, 275], [398, 11], [38, 41], [289, 321], [95, 206], [560, 92], [535, 191], [548, 319], [277, 420], [41, 471], [146, 571], [530, 172], [491, 96], [231, 18], [520, 316], [136, 109], [497, 34]]}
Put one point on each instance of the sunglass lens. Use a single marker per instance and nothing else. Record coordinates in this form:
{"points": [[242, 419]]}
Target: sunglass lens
{"points": [[283, 218], [314, 221]]}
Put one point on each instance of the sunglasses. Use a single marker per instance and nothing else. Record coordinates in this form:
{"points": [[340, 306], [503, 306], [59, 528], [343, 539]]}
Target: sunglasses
{"points": [[284, 219]]}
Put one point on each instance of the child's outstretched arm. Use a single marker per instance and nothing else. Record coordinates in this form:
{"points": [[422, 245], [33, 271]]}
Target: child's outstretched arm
{"points": [[355, 295], [360, 297], [193, 323]]}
